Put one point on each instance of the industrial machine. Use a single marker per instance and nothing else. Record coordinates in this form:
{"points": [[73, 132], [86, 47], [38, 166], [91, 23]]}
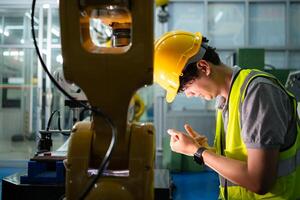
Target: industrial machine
{"points": [[293, 85], [107, 48]]}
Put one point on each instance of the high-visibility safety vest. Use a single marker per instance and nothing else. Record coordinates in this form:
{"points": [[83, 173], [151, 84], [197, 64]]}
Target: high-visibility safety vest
{"points": [[287, 185]]}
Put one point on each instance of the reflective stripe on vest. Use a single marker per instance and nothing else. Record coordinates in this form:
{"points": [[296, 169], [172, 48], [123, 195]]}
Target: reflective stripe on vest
{"points": [[288, 172]]}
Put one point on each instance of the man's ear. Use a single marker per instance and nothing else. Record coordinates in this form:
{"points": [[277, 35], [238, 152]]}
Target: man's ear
{"points": [[204, 67]]}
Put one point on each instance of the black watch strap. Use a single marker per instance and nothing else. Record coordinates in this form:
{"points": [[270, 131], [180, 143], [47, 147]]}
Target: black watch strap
{"points": [[198, 155]]}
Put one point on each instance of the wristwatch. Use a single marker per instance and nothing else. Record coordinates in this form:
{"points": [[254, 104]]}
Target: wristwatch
{"points": [[198, 155]]}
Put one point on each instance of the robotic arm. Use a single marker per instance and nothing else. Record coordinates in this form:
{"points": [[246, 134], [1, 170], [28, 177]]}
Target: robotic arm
{"points": [[107, 48]]}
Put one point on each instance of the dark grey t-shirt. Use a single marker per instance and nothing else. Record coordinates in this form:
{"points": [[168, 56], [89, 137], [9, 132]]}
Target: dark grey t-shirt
{"points": [[266, 115]]}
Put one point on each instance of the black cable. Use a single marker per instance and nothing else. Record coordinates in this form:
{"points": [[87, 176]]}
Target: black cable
{"points": [[106, 118], [103, 164], [82, 114], [59, 125], [50, 120], [58, 121]]}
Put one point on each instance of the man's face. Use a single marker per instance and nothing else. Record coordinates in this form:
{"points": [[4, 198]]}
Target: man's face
{"points": [[201, 87]]}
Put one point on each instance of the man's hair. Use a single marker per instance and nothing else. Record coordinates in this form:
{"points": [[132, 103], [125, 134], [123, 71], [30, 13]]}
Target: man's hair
{"points": [[190, 72]]}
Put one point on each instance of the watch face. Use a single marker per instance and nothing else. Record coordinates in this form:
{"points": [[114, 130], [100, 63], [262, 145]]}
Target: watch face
{"points": [[198, 160], [198, 155]]}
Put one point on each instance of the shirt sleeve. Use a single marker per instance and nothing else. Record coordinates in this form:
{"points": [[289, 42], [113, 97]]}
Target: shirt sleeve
{"points": [[265, 115]]}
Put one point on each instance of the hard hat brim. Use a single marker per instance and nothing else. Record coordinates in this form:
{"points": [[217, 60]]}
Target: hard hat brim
{"points": [[170, 96]]}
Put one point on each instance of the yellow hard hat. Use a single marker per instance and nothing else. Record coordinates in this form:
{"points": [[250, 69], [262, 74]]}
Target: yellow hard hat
{"points": [[161, 2], [172, 52]]}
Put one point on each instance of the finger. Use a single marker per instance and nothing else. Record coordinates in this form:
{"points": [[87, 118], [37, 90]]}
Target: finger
{"points": [[190, 131], [201, 140], [170, 132], [200, 137], [172, 140], [174, 135]]}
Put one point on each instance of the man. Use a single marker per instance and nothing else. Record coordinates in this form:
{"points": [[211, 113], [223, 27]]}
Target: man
{"points": [[257, 144]]}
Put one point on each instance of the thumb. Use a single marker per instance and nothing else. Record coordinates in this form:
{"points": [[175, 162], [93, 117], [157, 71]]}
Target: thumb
{"points": [[190, 131]]}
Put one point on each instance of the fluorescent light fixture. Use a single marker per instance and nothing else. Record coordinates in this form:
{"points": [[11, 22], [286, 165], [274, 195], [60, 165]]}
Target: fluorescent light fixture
{"points": [[27, 14], [44, 51], [16, 80], [55, 32], [46, 6], [59, 59], [6, 33], [5, 53], [14, 53], [22, 41], [218, 16]]}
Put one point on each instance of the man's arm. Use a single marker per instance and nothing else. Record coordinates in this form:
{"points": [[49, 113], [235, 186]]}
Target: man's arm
{"points": [[258, 174]]}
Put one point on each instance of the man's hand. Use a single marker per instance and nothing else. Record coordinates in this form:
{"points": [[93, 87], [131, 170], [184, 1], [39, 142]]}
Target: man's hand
{"points": [[200, 139], [182, 143], [187, 144]]}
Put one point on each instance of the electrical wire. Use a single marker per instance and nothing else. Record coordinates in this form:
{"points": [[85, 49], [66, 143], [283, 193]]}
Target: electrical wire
{"points": [[58, 121], [50, 119], [97, 111]]}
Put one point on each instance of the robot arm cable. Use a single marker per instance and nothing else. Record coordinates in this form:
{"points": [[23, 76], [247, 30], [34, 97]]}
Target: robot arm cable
{"points": [[104, 162], [50, 119]]}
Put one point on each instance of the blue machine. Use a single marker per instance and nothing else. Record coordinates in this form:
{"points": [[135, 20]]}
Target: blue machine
{"points": [[44, 172]]}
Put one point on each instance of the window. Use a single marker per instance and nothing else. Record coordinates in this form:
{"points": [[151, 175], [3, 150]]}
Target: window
{"points": [[294, 24], [263, 31], [226, 24], [186, 16]]}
